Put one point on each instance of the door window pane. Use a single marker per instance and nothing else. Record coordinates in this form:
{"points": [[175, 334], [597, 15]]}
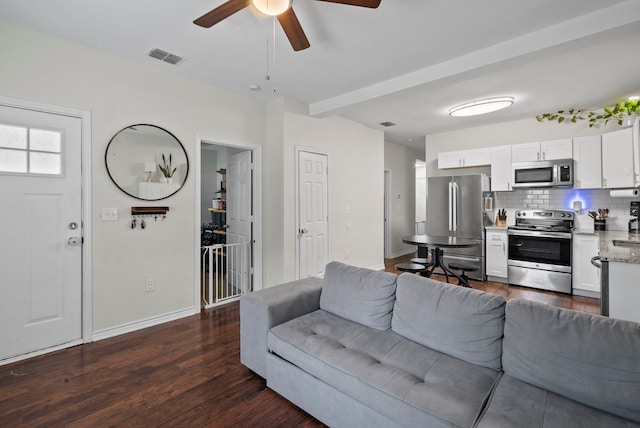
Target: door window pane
{"points": [[13, 137], [25, 150], [13, 160], [45, 141], [44, 163]]}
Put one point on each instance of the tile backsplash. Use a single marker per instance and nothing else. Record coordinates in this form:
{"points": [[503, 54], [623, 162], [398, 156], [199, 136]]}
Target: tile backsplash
{"points": [[562, 199]]}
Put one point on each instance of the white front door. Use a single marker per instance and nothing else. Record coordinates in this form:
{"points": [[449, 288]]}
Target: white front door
{"points": [[40, 231], [313, 249], [239, 218]]}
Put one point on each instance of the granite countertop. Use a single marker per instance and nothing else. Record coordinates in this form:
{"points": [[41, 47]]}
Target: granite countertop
{"points": [[495, 227], [615, 253]]}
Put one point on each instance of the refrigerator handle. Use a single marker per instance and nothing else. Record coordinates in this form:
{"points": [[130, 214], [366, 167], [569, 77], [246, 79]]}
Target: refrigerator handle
{"points": [[455, 207], [450, 206]]}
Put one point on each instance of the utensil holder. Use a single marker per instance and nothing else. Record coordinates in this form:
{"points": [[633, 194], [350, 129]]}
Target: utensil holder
{"points": [[599, 224]]}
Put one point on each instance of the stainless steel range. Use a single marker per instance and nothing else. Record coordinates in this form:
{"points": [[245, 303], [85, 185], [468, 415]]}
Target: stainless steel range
{"points": [[540, 249]]}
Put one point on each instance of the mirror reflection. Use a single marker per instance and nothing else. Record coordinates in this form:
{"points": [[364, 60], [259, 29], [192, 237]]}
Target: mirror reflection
{"points": [[147, 162]]}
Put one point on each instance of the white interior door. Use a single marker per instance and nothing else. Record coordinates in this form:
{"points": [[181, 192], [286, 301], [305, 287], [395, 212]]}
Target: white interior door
{"points": [[313, 250], [41, 231], [239, 218]]}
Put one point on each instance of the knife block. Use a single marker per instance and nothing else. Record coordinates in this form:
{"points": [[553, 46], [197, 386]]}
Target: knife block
{"points": [[501, 223]]}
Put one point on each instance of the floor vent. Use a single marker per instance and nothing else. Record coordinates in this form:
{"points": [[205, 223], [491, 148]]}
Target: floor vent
{"points": [[165, 56], [387, 124]]}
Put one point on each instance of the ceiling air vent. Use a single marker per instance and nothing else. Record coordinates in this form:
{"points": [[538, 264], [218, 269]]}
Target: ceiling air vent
{"points": [[165, 56], [387, 124]]}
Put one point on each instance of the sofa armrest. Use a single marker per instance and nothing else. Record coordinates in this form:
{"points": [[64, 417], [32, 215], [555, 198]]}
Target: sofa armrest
{"points": [[261, 310]]}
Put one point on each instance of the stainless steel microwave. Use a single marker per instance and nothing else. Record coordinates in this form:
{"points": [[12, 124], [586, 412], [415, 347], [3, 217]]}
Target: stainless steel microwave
{"points": [[545, 173]]}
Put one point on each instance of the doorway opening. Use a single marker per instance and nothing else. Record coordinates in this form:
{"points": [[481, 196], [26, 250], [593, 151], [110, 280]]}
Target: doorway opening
{"points": [[228, 218], [421, 197], [387, 215]]}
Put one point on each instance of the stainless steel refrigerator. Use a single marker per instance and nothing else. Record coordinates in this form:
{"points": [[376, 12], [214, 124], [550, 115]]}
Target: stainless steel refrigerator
{"points": [[455, 207]]}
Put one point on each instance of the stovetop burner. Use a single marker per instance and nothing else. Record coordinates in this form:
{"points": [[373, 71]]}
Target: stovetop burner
{"points": [[544, 220]]}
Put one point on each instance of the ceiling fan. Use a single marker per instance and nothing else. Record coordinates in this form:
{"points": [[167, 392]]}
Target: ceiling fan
{"points": [[281, 9]]}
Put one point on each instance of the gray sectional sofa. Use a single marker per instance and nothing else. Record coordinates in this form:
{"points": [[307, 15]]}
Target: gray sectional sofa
{"points": [[363, 348]]}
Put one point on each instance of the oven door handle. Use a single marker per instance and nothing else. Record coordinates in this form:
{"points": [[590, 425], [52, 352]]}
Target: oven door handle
{"points": [[539, 234]]}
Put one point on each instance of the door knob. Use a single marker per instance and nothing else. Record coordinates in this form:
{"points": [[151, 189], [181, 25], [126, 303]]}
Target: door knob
{"points": [[303, 230], [73, 241]]}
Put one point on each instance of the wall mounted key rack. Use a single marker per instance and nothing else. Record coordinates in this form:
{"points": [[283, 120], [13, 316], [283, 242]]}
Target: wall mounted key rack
{"points": [[140, 214]]}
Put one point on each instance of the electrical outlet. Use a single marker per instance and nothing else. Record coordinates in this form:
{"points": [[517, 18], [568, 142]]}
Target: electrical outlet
{"points": [[149, 284]]}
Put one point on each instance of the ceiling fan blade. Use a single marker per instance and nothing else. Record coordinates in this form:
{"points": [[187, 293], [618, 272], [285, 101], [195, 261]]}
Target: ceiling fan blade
{"points": [[221, 12], [292, 28], [362, 3]]}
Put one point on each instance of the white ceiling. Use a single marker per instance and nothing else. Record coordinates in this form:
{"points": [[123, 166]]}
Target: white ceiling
{"points": [[407, 62]]}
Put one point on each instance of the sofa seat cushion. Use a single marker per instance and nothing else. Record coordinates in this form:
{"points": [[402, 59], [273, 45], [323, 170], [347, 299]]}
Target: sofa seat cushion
{"points": [[401, 379], [362, 295], [516, 404], [458, 321], [590, 359]]}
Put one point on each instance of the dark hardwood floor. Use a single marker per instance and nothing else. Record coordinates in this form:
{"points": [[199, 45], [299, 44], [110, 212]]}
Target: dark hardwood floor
{"points": [[185, 373], [577, 303]]}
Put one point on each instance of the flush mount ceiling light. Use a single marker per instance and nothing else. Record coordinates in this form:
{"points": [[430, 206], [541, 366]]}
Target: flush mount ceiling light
{"points": [[486, 105], [272, 7]]}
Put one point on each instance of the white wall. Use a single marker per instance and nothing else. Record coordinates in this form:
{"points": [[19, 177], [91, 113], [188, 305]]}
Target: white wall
{"points": [[400, 161], [119, 92], [356, 187]]}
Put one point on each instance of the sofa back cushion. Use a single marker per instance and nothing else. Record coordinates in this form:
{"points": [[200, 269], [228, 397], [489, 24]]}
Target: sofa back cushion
{"points": [[588, 358], [361, 295], [461, 322]]}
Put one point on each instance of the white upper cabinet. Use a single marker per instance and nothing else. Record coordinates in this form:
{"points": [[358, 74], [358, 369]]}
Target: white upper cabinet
{"points": [[547, 150], [500, 168], [525, 152], [557, 149], [464, 158], [617, 159], [587, 156]]}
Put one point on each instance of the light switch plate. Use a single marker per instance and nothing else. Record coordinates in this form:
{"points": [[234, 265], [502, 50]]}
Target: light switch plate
{"points": [[109, 214]]}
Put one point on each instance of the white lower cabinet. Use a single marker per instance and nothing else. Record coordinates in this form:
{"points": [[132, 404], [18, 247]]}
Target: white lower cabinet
{"points": [[585, 276], [496, 254]]}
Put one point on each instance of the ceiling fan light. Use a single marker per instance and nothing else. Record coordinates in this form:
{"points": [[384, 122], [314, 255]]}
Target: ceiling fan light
{"points": [[272, 7], [486, 105]]}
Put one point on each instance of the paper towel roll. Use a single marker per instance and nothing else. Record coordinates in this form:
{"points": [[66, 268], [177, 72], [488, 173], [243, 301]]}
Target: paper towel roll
{"points": [[624, 193]]}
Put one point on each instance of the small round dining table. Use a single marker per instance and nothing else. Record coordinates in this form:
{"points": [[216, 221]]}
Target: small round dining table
{"points": [[436, 244]]}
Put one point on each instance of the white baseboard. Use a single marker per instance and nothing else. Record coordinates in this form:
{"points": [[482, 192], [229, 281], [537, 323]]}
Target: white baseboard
{"points": [[378, 267], [139, 325]]}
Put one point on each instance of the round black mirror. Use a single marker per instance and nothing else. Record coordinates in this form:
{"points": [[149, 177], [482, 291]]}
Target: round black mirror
{"points": [[147, 162]]}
